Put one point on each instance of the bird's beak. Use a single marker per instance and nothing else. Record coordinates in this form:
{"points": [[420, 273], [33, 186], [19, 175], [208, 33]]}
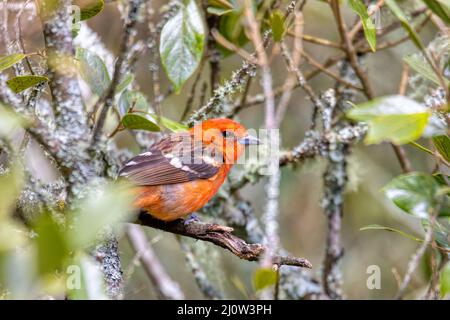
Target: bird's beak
{"points": [[248, 139]]}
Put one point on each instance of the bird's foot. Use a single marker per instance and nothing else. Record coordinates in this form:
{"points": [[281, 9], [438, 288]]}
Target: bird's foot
{"points": [[193, 217]]}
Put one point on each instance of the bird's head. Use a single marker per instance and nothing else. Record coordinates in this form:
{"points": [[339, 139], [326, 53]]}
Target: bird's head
{"points": [[228, 136]]}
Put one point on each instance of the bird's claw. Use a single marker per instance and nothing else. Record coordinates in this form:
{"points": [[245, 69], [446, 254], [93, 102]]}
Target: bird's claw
{"points": [[193, 217]]}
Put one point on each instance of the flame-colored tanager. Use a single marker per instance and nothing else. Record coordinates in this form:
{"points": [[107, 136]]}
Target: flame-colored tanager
{"points": [[180, 173]]}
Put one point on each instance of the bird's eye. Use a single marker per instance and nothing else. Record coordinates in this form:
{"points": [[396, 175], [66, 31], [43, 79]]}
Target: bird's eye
{"points": [[227, 134]]}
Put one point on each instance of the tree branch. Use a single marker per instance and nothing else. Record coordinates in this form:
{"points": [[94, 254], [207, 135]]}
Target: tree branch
{"points": [[220, 236]]}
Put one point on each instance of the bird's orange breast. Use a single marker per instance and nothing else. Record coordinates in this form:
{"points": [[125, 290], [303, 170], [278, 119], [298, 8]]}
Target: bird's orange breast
{"points": [[174, 201]]}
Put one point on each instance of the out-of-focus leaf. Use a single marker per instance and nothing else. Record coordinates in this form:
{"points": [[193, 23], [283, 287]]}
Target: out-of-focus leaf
{"points": [[17, 271], [224, 4], [8, 61], [218, 11], [423, 68], [397, 11], [415, 193], [276, 21], [182, 43], [89, 8], [84, 279], [21, 83], [12, 235], [442, 144], [263, 278], [400, 232], [393, 118], [51, 245], [105, 206], [10, 187], [9, 122], [445, 281], [125, 83], [93, 70], [135, 121], [170, 124], [369, 28], [438, 10], [132, 99], [441, 231]]}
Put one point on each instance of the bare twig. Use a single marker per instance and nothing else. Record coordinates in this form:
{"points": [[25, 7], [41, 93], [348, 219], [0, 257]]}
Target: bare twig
{"points": [[166, 287]]}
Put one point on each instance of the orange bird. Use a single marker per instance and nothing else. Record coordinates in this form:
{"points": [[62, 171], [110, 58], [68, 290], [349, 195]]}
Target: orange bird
{"points": [[180, 173]]}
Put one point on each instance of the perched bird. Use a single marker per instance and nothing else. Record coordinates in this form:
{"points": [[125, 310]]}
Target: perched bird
{"points": [[180, 173]]}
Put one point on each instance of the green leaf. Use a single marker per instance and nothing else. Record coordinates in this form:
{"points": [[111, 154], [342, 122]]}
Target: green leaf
{"points": [[170, 124], [445, 280], [89, 8], [93, 71], [442, 144], [415, 193], [402, 233], [369, 28], [125, 83], [132, 100], [438, 10], [135, 121], [105, 206], [223, 4], [8, 61], [263, 278], [276, 21], [51, 245], [397, 11], [393, 118], [218, 11], [21, 83], [182, 43], [423, 68]]}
